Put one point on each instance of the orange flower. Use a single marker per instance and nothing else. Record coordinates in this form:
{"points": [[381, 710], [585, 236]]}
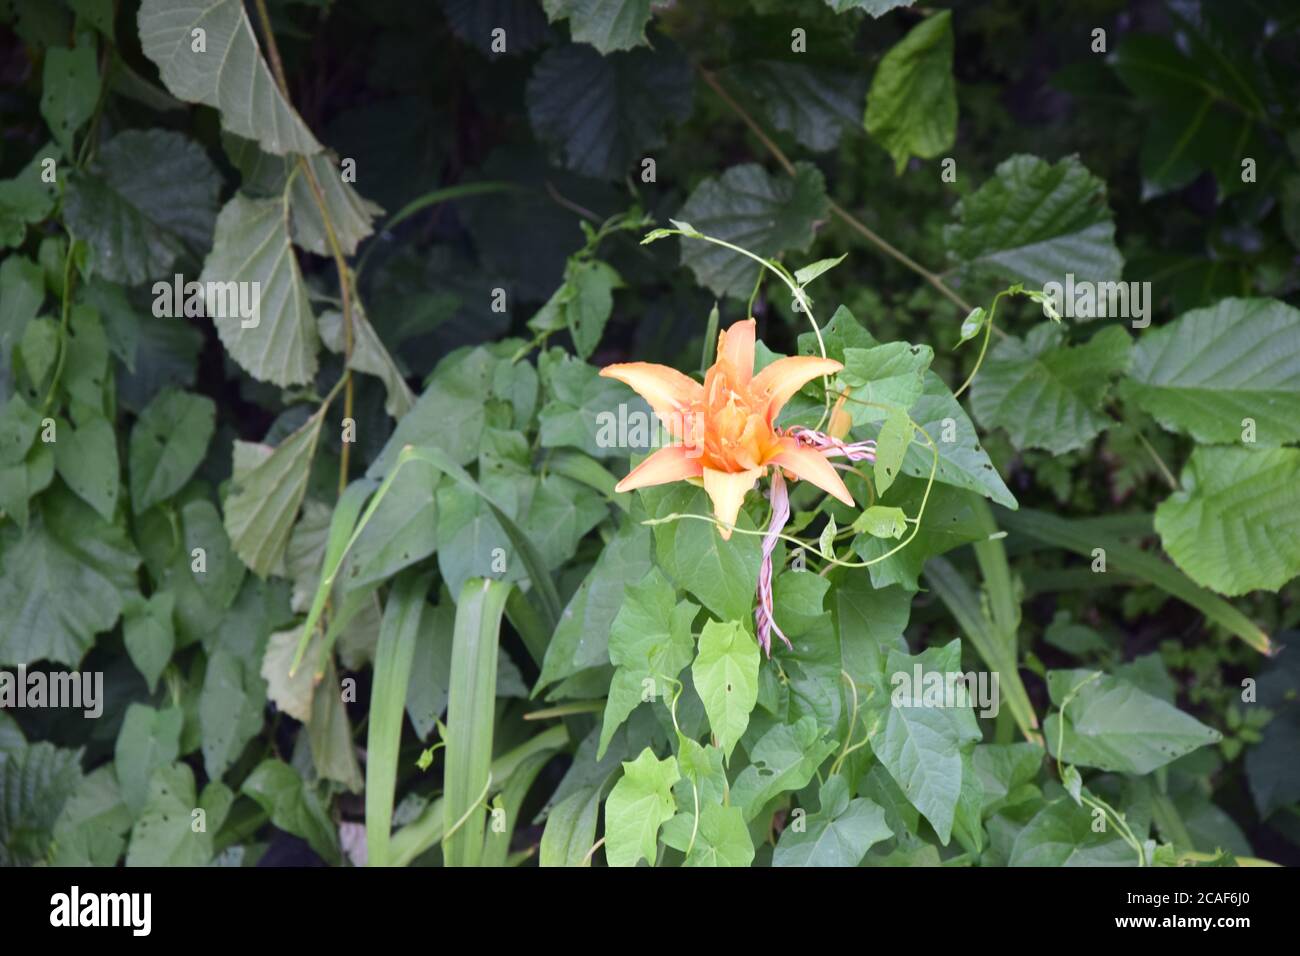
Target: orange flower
{"points": [[724, 427]]}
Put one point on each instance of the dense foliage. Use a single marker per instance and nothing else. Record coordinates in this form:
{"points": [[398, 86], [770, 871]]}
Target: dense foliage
{"points": [[305, 452]]}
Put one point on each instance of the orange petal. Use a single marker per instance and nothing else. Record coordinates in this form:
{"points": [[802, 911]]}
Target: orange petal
{"points": [[810, 466], [667, 464], [841, 421], [727, 491], [780, 380], [736, 350], [669, 392]]}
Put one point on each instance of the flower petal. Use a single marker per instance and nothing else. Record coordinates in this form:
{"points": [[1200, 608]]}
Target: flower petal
{"points": [[811, 466], [727, 491], [736, 352], [667, 464], [669, 392], [779, 381]]}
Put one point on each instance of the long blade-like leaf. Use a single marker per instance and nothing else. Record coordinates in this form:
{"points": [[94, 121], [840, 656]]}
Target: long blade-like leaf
{"points": [[393, 656]]}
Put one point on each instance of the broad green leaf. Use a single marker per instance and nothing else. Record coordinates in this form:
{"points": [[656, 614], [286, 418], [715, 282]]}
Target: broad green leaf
{"points": [[920, 736], [25, 199], [231, 706], [1233, 525], [1037, 222], [278, 343], [266, 489], [329, 732], [880, 521], [722, 574], [293, 805], [86, 459], [149, 739], [639, 804], [470, 718], [1062, 834], [1047, 394], [608, 25], [627, 101], [912, 105], [66, 550], [39, 348], [892, 376], [1213, 373], [368, 355], [581, 410], [750, 208], [291, 693], [723, 838], [164, 834], [785, 758], [725, 674], [649, 640], [839, 834], [891, 446], [168, 443], [225, 70], [149, 197], [950, 519], [1112, 725], [815, 106], [877, 8], [402, 531], [69, 89], [149, 634], [91, 830], [36, 783]]}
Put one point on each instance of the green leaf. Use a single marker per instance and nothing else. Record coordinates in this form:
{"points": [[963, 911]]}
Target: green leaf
{"points": [[39, 347], [1211, 369], [393, 672], [890, 375], [1037, 222], [149, 739], [639, 804], [725, 674], [950, 520], [293, 806], [607, 25], [722, 574], [228, 73], [278, 344], [1047, 394], [25, 199], [1062, 834], [164, 834], [877, 8], [36, 782], [627, 102], [91, 830], [402, 531], [67, 550], [921, 741], [723, 838], [368, 355], [570, 829], [1233, 526], [748, 207], [784, 758], [912, 106], [266, 489], [70, 89], [815, 106], [649, 640], [291, 693], [1112, 725], [470, 719], [891, 447], [86, 459], [150, 196], [149, 634], [882, 522], [231, 706], [839, 834], [168, 443]]}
